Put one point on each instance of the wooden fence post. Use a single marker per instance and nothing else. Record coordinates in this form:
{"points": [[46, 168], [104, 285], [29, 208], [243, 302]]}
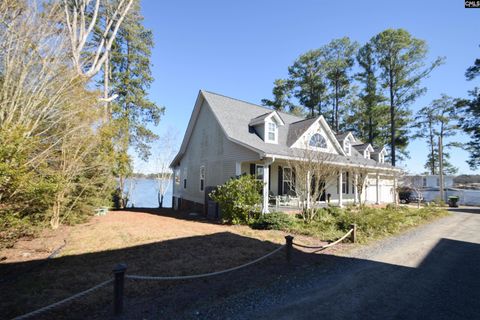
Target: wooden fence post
{"points": [[118, 284], [353, 235], [288, 247]]}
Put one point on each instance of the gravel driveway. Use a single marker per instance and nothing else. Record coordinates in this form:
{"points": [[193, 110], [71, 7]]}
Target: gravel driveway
{"points": [[431, 272]]}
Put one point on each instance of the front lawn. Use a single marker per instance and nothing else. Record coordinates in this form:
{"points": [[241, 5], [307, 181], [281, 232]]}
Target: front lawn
{"points": [[372, 223]]}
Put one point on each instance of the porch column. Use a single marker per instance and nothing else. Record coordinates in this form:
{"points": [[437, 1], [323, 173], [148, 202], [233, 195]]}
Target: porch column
{"points": [[395, 189], [340, 191], [265, 189], [355, 188], [308, 189], [266, 186], [378, 188]]}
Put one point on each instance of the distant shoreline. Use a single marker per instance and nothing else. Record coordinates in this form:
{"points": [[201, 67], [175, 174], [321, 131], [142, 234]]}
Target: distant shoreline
{"points": [[150, 175]]}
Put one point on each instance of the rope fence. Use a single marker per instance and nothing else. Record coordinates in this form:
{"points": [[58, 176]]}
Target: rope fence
{"points": [[120, 276], [204, 275], [59, 303]]}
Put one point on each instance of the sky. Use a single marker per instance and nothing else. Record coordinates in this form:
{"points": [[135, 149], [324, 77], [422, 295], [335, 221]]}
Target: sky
{"points": [[238, 48]]}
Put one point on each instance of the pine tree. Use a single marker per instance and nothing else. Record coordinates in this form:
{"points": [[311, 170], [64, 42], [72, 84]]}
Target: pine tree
{"points": [[470, 120], [401, 59], [339, 60], [129, 77], [438, 119], [369, 115], [282, 92], [308, 76]]}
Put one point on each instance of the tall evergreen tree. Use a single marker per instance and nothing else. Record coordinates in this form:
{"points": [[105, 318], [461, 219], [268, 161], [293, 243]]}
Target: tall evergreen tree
{"points": [[369, 115], [282, 92], [129, 77], [339, 60], [438, 119], [308, 76], [470, 120], [401, 59]]}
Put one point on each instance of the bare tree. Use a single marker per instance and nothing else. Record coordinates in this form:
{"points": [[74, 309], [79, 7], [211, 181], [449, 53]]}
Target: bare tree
{"points": [[164, 156], [360, 175], [414, 183], [81, 18], [314, 170], [49, 104]]}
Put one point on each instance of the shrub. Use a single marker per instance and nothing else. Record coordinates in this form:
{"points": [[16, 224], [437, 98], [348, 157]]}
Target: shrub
{"points": [[372, 223], [273, 221], [238, 199]]}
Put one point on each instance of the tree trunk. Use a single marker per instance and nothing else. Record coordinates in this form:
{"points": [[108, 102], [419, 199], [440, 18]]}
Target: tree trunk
{"points": [[392, 122], [336, 106]]}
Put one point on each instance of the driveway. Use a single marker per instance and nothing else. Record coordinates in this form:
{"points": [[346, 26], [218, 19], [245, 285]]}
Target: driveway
{"points": [[431, 272]]}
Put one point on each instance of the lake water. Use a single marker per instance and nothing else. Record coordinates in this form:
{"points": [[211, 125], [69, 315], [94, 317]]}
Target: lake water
{"points": [[143, 193]]}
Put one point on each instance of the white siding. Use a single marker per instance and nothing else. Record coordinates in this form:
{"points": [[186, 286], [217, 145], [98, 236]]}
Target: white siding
{"points": [[209, 147], [316, 127]]}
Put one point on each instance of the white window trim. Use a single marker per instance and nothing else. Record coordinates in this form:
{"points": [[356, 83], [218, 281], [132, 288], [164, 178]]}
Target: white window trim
{"points": [[256, 170], [202, 178], [177, 176], [185, 175], [267, 131], [346, 143], [318, 148]]}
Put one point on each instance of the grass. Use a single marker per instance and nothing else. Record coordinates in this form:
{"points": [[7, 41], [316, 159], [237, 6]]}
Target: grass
{"points": [[372, 223], [148, 243]]}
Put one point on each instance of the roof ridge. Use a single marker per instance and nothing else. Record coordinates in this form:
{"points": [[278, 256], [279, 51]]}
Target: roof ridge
{"points": [[253, 104], [305, 120]]}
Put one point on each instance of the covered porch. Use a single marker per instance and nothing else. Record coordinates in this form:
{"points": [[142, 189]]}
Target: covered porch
{"points": [[280, 183]]}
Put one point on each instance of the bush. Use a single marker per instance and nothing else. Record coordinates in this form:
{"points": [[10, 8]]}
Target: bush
{"points": [[239, 199], [372, 223], [273, 221]]}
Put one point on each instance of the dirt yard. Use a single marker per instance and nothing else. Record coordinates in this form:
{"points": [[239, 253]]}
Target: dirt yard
{"points": [[150, 243]]}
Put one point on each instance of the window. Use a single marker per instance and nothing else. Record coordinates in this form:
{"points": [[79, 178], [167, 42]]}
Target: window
{"points": [[438, 182], [381, 158], [259, 172], [345, 181], [318, 141], [271, 131], [202, 178], [185, 178], [347, 147], [424, 181], [177, 176], [367, 154], [288, 181]]}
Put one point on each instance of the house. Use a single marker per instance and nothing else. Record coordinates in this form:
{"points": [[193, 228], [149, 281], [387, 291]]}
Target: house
{"points": [[429, 181], [428, 188], [227, 137]]}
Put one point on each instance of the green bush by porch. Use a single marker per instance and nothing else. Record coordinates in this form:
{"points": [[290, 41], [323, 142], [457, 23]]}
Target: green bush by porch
{"points": [[239, 199]]}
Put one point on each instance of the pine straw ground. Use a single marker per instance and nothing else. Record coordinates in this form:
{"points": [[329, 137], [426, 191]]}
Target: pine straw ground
{"points": [[150, 243]]}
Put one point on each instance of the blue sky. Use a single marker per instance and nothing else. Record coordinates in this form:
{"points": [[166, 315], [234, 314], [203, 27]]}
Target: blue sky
{"points": [[237, 48]]}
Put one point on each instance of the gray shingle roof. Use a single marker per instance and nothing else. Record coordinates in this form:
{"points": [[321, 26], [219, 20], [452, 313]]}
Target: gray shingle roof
{"points": [[235, 115], [296, 129], [361, 147], [341, 136]]}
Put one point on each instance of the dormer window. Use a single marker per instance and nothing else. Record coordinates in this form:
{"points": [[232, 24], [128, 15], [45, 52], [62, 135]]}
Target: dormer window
{"points": [[367, 154], [272, 132], [381, 157], [347, 147], [318, 141]]}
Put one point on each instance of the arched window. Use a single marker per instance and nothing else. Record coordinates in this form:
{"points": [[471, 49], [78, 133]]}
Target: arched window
{"points": [[318, 141]]}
